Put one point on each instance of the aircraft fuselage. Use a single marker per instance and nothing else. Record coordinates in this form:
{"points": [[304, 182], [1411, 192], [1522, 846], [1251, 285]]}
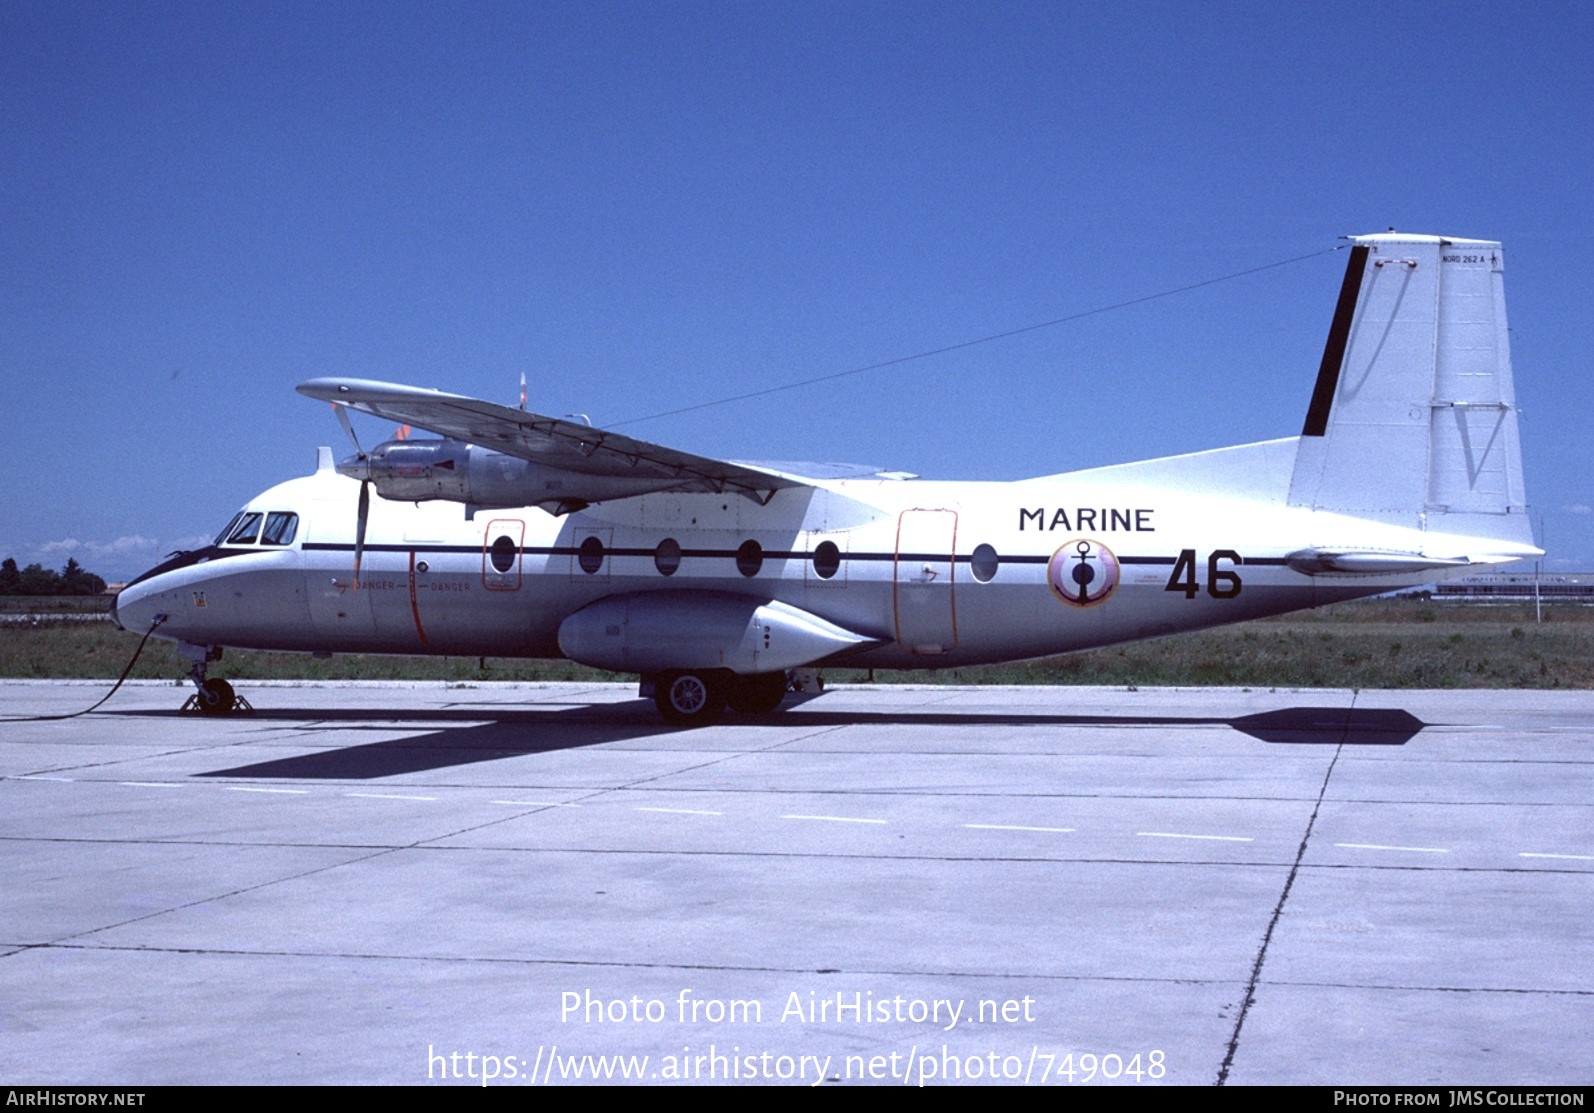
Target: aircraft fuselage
{"points": [[713, 579], [933, 574]]}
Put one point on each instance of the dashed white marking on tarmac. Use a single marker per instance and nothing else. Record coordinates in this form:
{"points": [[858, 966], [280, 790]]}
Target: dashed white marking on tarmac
{"points": [[834, 818], [149, 784], [679, 811], [38, 777], [1017, 827], [1177, 835], [1568, 857], [535, 804], [385, 796], [1375, 846], [279, 791]]}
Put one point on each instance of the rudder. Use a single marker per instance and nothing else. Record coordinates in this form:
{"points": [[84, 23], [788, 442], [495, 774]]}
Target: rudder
{"points": [[1413, 418]]}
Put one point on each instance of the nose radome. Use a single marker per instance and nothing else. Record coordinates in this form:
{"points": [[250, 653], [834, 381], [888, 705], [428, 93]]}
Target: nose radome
{"points": [[134, 608]]}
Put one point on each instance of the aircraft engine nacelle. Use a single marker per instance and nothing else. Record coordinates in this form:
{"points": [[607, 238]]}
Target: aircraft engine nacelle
{"points": [[423, 470], [652, 631]]}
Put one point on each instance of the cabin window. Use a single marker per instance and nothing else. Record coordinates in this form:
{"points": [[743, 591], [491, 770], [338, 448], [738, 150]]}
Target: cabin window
{"points": [[749, 558], [984, 563], [245, 531], [827, 560], [667, 557], [590, 555], [502, 554], [280, 528]]}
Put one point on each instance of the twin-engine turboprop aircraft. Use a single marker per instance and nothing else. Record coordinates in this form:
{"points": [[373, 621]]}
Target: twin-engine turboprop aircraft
{"points": [[528, 536]]}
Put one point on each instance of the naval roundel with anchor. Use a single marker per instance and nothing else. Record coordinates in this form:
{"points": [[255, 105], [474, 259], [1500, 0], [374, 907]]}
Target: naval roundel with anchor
{"points": [[1083, 573]]}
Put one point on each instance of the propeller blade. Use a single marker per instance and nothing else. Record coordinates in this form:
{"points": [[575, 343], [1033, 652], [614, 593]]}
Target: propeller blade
{"points": [[348, 427], [359, 530]]}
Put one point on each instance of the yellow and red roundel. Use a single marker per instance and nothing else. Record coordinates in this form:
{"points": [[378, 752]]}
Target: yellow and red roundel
{"points": [[1083, 573]]}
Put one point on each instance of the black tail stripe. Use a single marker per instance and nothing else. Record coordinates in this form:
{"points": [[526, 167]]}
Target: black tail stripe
{"points": [[1334, 350]]}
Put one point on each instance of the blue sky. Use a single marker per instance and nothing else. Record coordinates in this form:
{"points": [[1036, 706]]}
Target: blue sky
{"points": [[647, 206]]}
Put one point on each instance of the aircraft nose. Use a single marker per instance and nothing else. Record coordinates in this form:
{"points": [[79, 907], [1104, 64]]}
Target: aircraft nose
{"points": [[135, 607]]}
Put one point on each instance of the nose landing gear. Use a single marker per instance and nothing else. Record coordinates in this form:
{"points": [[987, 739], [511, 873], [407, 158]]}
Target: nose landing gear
{"points": [[215, 695]]}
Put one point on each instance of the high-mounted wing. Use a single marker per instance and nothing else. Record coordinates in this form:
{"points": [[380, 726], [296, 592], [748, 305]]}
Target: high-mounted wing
{"points": [[592, 464]]}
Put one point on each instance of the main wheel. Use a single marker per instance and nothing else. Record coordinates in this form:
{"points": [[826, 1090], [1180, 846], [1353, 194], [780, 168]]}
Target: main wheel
{"points": [[690, 699], [215, 697], [758, 695]]}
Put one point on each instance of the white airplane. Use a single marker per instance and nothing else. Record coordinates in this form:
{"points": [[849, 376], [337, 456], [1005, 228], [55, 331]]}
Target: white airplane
{"points": [[528, 536]]}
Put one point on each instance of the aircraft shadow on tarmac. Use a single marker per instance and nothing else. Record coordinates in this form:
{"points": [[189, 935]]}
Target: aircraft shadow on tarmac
{"points": [[518, 732]]}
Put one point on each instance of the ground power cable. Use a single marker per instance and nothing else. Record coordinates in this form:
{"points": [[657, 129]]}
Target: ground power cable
{"points": [[125, 673]]}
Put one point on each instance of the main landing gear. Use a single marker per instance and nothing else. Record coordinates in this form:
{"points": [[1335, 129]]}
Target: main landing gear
{"points": [[699, 697], [215, 695]]}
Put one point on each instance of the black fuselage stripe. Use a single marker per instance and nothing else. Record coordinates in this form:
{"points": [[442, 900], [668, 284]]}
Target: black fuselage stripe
{"points": [[732, 554], [1334, 351]]}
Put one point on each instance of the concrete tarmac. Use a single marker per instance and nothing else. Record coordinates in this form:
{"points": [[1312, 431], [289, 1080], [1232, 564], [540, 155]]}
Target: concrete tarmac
{"points": [[403, 883]]}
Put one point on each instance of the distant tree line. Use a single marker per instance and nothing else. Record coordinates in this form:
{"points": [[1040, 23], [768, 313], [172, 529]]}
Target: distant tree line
{"points": [[36, 579]]}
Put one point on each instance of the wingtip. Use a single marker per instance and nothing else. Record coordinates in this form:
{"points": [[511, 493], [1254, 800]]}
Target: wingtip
{"points": [[324, 390]]}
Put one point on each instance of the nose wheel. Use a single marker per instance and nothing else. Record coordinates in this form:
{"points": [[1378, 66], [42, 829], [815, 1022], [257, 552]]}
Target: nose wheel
{"points": [[215, 696]]}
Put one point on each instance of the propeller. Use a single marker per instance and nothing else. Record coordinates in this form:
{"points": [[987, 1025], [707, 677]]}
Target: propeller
{"points": [[362, 471]]}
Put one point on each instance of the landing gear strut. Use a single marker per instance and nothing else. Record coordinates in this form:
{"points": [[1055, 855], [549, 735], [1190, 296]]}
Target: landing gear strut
{"points": [[699, 697], [215, 696], [758, 695]]}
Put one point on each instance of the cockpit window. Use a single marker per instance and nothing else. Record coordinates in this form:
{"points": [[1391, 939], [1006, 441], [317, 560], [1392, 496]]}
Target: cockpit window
{"points": [[245, 531], [226, 530], [280, 528]]}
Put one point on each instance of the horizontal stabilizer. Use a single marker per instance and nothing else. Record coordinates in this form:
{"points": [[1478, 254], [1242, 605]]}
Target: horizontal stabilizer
{"points": [[1317, 562]]}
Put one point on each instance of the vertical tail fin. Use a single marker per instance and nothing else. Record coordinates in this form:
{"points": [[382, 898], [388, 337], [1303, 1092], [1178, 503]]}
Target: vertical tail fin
{"points": [[1413, 420]]}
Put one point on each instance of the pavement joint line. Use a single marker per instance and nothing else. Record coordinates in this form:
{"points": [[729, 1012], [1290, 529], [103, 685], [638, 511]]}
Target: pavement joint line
{"points": [[694, 811], [535, 804], [82, 938], [74, 944], [642, 782], [1255, 980]]}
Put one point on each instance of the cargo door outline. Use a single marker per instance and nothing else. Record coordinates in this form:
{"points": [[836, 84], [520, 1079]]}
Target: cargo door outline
{"points": [[503, 550], [923, 591]]}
